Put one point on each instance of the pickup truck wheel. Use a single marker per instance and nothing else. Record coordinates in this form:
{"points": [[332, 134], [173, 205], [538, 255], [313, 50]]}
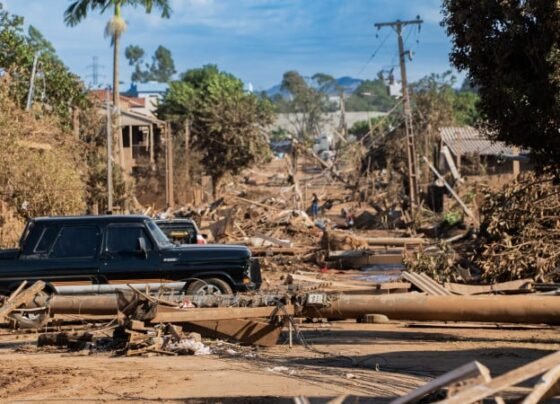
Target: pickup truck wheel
{"points": [[212, 286]]}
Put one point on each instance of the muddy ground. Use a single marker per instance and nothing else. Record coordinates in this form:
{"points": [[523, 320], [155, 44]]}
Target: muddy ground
{"points": [[367, 362]]}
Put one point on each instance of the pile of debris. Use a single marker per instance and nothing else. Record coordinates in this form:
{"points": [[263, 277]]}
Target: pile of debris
{"points": [[520, 232], [518, 238]]}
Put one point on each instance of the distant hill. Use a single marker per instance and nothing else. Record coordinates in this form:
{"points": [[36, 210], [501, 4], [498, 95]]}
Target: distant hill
{"points": [[349, 84]]}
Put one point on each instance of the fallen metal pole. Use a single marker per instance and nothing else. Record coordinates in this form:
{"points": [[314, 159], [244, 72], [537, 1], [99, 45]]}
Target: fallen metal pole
{"points": [[86, 305], [112, 303], [527, 309], [98, 289]]}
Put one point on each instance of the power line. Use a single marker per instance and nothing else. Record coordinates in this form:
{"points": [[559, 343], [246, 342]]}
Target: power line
{"points": [[374, 53]]}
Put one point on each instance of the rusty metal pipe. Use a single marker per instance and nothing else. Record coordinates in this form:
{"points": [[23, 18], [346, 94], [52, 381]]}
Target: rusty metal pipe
{"points": [[107, 304], [528, 309]]}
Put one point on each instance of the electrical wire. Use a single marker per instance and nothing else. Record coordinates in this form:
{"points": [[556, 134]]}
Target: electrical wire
{"points": [[374, 53]]}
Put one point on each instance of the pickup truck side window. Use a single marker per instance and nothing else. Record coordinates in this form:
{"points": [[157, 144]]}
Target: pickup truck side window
{"points": [[76, 242], [123, 240], [46, 240]]}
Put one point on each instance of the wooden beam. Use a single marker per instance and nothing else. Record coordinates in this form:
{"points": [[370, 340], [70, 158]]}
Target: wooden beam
{"points": [[520, 285], [262, 205], [20, 298], [547, 387], [282, 243], [512, 378], [168, 315], [470, 370], [453, 193], [394, 240], [245, 331], [151, 140]]}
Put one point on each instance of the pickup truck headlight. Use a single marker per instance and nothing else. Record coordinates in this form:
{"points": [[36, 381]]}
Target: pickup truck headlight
{"points": [[247, 271]]}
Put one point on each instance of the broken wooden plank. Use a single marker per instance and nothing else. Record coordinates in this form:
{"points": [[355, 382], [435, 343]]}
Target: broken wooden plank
{"points": [[547, 387], [282, 243], [346, 286], [169, 315], [262, 205], [519, 286], [470, 370], [425, 284], [498, 384], [396, 241], [270, 251], [16, 292], [245, 331], [450, 189], [21, 298]]}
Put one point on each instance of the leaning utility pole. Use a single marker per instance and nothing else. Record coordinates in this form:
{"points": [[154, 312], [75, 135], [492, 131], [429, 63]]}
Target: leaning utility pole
{"points": [[411, 149]]}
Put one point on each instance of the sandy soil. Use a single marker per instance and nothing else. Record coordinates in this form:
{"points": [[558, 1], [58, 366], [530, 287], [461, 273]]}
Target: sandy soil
{"points": [[370, 361]]}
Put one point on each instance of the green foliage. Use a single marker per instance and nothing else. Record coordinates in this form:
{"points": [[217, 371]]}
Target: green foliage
{"points": [[78, 10], [163, 66], [438, 104], [226, 123], [306, 104], [57, 90], [465, 108], [511, 52], [134, 54], [279, 134], [451, 218], [361, 128], [371, 95], [161, 70]]}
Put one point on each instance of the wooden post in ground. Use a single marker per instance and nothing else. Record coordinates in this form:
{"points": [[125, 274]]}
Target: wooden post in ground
{"points": [[151, 140], [187, 153], [516, 163], [170, 197]]}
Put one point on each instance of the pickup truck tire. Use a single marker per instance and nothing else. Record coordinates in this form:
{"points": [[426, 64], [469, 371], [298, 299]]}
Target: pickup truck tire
{"points": [[211, 286]]}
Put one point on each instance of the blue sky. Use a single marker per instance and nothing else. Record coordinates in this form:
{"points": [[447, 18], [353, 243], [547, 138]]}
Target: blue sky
{"points": [[257, 40]]}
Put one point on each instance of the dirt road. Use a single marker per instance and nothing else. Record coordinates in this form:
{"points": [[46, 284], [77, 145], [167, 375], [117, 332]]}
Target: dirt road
{"points": [[373, 362]]}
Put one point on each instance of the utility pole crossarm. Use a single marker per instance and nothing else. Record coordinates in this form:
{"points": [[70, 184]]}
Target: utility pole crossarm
{"points": [[380, 25]]}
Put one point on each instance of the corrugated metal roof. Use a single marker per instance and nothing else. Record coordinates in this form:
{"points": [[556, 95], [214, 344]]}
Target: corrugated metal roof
{"points": [[468, 140]]}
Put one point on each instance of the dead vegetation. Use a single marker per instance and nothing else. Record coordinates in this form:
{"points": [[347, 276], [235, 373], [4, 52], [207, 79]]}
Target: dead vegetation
{"points": [[41, 166]]}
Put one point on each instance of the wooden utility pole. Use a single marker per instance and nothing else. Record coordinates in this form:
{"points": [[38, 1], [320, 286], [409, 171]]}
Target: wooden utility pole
{"points": [[169, 186], [411, 148], [343, 125], [187, 153], [109, 156]]}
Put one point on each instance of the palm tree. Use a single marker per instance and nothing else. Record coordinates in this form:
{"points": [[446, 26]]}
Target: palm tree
{"points": [[78, 11]]}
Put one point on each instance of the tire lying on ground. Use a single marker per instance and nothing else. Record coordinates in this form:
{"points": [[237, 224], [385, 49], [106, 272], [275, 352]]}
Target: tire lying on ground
{"points": [[211, 286]]}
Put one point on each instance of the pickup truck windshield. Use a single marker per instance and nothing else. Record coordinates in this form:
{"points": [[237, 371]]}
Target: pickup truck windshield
{"points": [[159, 236]]}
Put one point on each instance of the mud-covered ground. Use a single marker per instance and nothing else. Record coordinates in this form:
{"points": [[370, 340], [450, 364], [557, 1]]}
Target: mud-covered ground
{"points": [[371, 361]]}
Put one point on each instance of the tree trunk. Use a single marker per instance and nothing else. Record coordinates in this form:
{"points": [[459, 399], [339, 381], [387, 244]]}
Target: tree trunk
{"points": [[117, 132]]}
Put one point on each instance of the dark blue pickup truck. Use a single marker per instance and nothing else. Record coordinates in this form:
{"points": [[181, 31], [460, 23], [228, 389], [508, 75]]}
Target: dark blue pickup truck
{"points": [[99, 251]]}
